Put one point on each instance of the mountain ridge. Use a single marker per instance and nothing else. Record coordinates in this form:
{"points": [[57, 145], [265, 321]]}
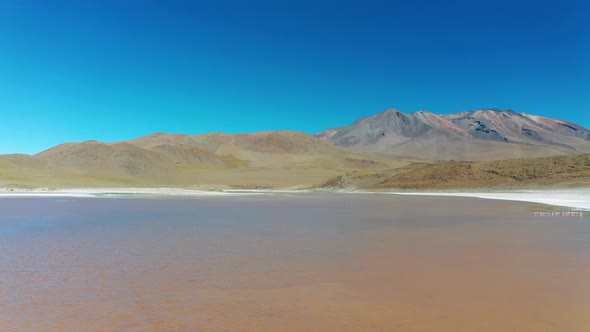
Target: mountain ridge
{"points": [[376, 145], [458, 136]]}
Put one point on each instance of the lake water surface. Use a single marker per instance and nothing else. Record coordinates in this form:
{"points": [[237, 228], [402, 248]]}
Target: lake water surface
{"points": [[308, 262]]}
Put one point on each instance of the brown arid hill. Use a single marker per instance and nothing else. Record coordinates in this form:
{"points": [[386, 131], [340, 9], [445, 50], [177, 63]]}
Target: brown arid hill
{"points": [[254, 150], [20, 170], [481, 135], [261, 160], [548, 171], [24, 171]]}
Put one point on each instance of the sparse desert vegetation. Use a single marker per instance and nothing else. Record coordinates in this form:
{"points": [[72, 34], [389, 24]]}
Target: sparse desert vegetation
{"points": [[561, 170]]}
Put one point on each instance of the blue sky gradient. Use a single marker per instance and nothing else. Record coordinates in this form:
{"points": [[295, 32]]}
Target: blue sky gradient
{"points": [[115, 70]]}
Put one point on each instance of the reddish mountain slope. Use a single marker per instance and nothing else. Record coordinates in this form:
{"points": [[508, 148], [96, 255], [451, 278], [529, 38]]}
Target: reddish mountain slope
{"points": [[476, 135]]}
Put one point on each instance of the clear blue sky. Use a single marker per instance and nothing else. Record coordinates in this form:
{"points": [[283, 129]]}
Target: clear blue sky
{"points": [[113, 70]]}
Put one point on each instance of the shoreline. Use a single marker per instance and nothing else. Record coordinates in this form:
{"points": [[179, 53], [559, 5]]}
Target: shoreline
{"points": [[113, 192], [574, 198], [578, 198]]}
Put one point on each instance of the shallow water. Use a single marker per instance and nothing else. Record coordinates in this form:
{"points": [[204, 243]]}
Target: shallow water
{"points": [[313, 262]]}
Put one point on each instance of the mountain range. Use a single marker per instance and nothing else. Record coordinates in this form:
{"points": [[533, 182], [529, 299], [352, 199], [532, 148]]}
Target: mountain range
{"points": [[489, 134], [382, 144]]}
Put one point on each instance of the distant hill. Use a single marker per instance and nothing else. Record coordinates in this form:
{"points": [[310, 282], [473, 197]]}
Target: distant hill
{"points": [[475, 135], [260, 160]]}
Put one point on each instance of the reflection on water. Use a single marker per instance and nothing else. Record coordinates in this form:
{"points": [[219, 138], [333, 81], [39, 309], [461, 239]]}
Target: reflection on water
{"points": [[290, 263]]}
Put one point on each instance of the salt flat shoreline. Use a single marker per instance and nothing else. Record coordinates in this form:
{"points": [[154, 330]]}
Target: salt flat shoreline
{"points": [[578, 198], [119, 191], [575, 198]]}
